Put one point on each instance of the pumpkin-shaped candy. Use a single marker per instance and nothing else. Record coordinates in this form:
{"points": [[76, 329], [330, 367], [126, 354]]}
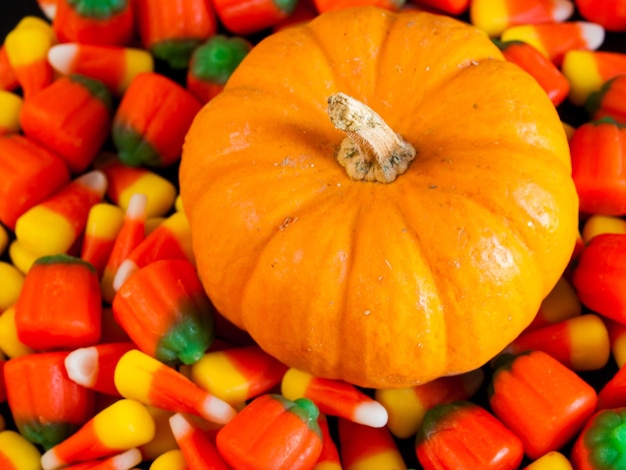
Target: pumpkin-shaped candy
{"points": [[379, 197]]}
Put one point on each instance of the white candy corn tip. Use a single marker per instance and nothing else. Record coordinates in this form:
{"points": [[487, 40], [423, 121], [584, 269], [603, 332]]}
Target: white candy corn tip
{"points": [[81, 366], [48, 8], [61, 57], [179, 425], [371, 414], [136, 208], [127, 459], [95, 180], [125, 270], [50, 460], [216, 410], [562, 10], [593, 34]]}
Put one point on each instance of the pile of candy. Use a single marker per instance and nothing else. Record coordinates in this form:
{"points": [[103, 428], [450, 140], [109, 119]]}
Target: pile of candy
{"points": [[113, 357]]}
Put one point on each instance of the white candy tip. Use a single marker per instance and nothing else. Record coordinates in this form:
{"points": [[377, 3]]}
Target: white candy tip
{"points": [[50, 460], [125, 270], [179, 425], [136, 208], [95, 180], [371, 413], [82, 366], [216, 410], [127, 459], [593, 34], [61, 57], [49, 9], [562, 10]]}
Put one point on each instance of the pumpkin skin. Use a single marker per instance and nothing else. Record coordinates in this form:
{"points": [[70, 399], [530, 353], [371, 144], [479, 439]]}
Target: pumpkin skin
{"points": [[381, 285]]}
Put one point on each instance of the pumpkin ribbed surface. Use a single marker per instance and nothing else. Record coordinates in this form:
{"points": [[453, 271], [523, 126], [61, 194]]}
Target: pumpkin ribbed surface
{"points": [[380, 284]]}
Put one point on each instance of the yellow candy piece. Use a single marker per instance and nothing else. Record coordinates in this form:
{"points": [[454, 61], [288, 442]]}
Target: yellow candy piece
{"points": [[618, 349], [160, 192], [597, 224], [491, 16], [134, 373], [26, 45], [406, 411], [163, 439], [551, 461], [124, 424], [21, 257], [215, 373], [137, 61], [37, 23], [178, 204], [19, 451], [56, 238], [170, 460], [561, 303], [10, 344], [11, 280], [104, 220], [591, 346], [581, 71], [10, 106]]}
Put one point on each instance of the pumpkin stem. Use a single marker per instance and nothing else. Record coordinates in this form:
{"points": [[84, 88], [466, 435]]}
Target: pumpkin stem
{"points": [[372, 151]]}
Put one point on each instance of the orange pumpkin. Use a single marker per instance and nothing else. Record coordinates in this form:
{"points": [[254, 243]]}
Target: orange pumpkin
{"points": [[411, 276]]}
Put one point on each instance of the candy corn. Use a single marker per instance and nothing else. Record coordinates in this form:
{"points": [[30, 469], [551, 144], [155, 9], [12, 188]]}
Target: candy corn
{"points": [[367, 448], [114, 66], [122, 461], [494, 16], [152, 120], [608, 13], [10, 343], [31, 173], [580, 343], [170, 460], [237, 374], [551, 461], [587, 71], [103, 224], [617, 336], [165, 311], [163, 440], [93, 367], [258, 16], [406, 406], [59, 305], [121, 426], [109, 23], [560, 304], [597, 224], [46, 405], [272, 433], [171, 29], [17, 453], [130, 235], [11, 280], [83, 105], [199, 451], [334, 397], [151, 382], [554, 40], [54, 225]]}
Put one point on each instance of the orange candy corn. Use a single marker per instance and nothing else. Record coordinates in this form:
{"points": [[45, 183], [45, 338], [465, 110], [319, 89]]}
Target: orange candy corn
{"points": [[171, 29], [59, 306], [597, 150], [543, 402], [109, 23], [367, 448], [494, 16], [46, 405], [334, 397], [272, 433], [255, 17], [27, 47], [93, 367], [103, 224], [129, 236], [124, 425], [609, 100], [199, 451], [152, 120], [580, 343], [83, 105], [122, 461], [31, 173], [554, 40], [115, 66], [587, 71], [125, 182], [55, 224], [237, 374], [539, 66], [165, 311], [151, 382], [406, 406]]}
